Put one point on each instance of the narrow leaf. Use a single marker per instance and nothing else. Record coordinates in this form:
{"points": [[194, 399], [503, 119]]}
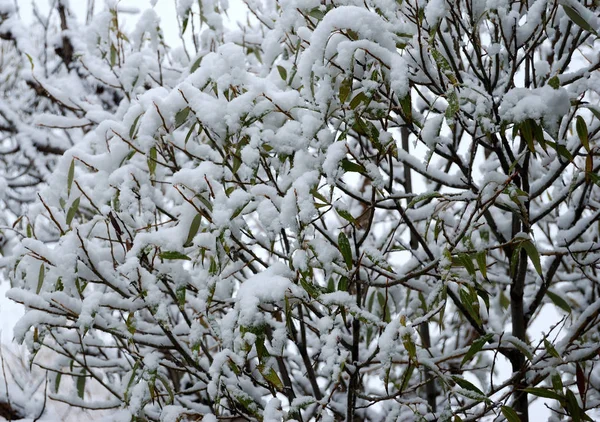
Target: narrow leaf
{"points": [[133, 128], [358, 98], [282, 72], [480, 257], [346, 216], [543, 392], [72, 210], [578, 19], [57, 382], [174, 255], [272, 378], [589, 167], [349, 166], [345, 89], [41, 278], [559, 301], [510, 414], [193, 230], [573, 406], [533, 255], [113, 55], [467, 385], [476, 347], [81, 384], [70, 177], [344, 246], [550, 349], [582, 132], [181, 116]]}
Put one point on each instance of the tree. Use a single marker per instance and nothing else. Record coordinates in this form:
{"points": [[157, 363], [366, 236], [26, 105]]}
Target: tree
{"points": [[334, 212], [50, 99]]}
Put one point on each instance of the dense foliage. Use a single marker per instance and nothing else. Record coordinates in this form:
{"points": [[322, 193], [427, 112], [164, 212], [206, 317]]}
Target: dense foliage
{"points": [[339, 211]]}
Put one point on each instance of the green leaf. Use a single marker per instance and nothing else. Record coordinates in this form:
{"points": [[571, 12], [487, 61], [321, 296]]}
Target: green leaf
{"points": [[526, 352], [344, 246], [538, 134], [30, 61], [554, 82], [561, 150], [133, 128], [238, 211], [578, 19], [543, 392], [480, 257], [185, 23], [350, 166], [470, 303], [573, 406], [181, 116], [423, 197], [589, 167], [193, 230], [406, 106], [113, 55], [282, 72], [196, 64], [180, 294], [81, 384], [467, 262], [595, 111], [440, 60], [316, 13], [205, 202], [272, 378], [406, 377], [40, 278], [72, 211], [70, 177], [476, 347], [510, 414], [550, 349], [136, 366], [343, 284], [346, 216], [345, 89], [557, 382], [314, 192], [533, 255], [582, 132], [453, 106], [174, 255], [130, 323], [463, 383], [152, 156], [167, 386], [527, 134], [410, 347], [57, 382], [559, 301], [358, 98], [309, 288]]}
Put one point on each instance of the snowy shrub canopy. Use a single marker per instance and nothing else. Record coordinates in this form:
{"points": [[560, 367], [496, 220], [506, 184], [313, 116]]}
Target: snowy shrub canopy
{"points": [[341, 210]]}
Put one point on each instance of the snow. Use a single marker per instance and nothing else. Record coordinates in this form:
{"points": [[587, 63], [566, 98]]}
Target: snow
{"points": [[544, 103], [269, 286], [435, 10]]}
